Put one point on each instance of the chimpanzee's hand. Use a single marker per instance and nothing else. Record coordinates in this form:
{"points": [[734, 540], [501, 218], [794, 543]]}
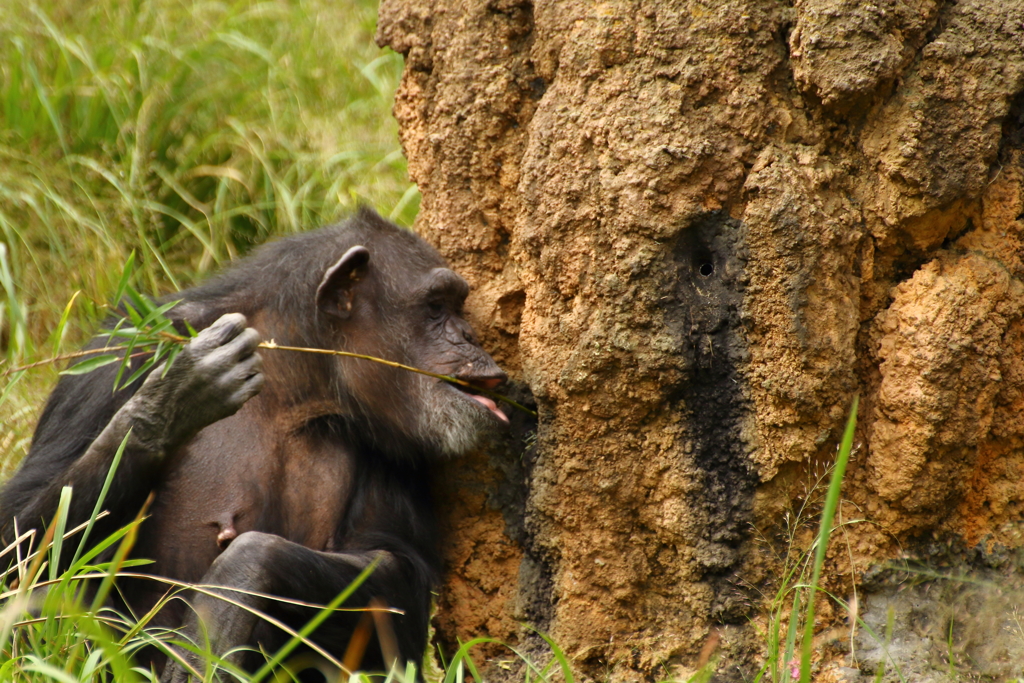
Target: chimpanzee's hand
{"points": [[209, 380]]}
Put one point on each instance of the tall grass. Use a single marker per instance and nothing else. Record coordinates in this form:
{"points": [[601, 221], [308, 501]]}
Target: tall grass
{"points": [[183, 130], [792, 608], [57, 624]]}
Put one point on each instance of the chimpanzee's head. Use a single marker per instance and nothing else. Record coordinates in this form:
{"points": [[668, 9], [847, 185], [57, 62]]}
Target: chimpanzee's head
{"points": [[391, 295]]}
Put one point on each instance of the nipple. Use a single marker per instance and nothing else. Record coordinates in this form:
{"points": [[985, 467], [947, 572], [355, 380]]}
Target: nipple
{"points": [[227, 533]]}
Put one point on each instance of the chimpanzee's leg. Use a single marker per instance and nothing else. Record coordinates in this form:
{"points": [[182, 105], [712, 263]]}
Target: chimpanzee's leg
{"points": [[269, 564]]}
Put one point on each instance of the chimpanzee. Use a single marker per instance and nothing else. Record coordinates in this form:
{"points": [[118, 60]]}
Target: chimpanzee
{"points": [[281, 472]]}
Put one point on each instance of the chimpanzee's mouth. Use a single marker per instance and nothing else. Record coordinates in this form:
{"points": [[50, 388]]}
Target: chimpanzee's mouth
{"points": [[486, 401]]}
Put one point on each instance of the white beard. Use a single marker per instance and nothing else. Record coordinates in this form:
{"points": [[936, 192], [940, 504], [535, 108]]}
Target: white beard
{"points": [[450, 423]]}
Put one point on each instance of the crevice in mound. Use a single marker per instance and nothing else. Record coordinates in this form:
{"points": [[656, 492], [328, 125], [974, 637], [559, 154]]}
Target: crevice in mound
{"points": [[936, 29], [515, 459], [1013, 129], [708, 283]]}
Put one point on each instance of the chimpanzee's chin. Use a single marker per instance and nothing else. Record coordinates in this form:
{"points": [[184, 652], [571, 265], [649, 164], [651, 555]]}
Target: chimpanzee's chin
{"points": [[454, 424]]}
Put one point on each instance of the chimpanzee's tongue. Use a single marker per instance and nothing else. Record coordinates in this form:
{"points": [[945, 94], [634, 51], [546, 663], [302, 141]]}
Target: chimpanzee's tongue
{"points": [[490, 405]]}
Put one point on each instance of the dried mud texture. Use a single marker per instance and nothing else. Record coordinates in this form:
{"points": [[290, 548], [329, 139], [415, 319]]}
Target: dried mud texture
{"points": [[844, 51], [948, 431], [695, 231]]}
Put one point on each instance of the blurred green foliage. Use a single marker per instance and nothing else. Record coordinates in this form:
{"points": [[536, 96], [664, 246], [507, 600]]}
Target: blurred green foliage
{"points": [[187, 131]]}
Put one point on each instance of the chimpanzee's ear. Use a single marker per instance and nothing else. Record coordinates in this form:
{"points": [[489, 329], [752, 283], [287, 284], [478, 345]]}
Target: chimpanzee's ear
{"points": [[334, 295]]}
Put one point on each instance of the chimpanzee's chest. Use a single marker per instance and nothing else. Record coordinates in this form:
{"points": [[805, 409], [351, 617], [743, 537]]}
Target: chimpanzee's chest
{"points": [[234, 478]]}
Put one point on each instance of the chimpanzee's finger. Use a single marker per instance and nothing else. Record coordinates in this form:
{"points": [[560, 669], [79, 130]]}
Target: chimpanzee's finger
{"points": [[224, 329], [250, 387], [245, 380], [238, 349], [242, 370]]}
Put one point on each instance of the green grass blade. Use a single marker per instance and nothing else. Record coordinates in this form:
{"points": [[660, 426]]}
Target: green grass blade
{"points": [[560, 657], [126, 273], [58, 334], [37, 665], [102, 497], [824, 532], [17, 318], [41, 93], [90, 364], [58, 533], [11, 382], [791, 631]]}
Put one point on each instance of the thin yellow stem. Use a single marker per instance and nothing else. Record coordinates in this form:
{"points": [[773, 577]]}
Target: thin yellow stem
{"points": [[447, 378], [274, 346], [64, 357]]}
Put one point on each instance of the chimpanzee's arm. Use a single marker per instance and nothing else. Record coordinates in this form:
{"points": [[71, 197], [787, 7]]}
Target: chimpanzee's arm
{"points": [[209, 380], [266, 563]]}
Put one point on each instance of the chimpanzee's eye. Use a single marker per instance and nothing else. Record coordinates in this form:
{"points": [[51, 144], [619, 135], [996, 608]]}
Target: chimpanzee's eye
{"points": [[435, 309]]}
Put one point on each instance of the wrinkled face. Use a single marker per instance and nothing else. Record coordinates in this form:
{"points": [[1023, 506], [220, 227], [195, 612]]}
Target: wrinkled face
{"points": [[454, 416], [414, 317]]}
